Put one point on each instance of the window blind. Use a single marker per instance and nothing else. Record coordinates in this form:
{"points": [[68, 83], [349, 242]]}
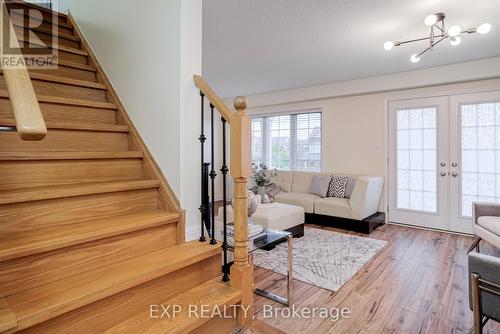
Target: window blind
{"points": [[288, 141]]}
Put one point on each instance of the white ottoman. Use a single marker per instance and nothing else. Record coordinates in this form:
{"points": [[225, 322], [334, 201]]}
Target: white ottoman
{"points": [[277, 216]]}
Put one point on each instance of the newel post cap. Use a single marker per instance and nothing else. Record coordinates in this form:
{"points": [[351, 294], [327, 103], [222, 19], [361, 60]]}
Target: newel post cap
{"points": [[240, 103]]}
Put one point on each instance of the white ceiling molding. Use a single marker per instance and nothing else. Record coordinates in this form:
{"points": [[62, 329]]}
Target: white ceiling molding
{"points": [[456, 73]]}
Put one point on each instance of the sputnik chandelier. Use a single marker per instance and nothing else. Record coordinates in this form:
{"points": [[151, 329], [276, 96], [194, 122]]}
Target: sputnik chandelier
{"points": [[438, 34]]}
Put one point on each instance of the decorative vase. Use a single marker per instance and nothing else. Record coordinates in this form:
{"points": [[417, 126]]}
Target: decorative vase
{"points": [[262, 191], [252, 203]]}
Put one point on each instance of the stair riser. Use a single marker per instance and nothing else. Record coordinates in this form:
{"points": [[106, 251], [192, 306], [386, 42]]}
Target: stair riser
{"points": [[63, 90], [31, 215], [22, 174], [101, 315], [65, 55], [69, 72], [76, 58], [20, 31], [66, 140], [53, 112], [47, 21], [36, 270]]}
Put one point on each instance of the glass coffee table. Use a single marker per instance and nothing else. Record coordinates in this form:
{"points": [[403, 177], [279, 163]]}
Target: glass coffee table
{"points": [[268, 242]]}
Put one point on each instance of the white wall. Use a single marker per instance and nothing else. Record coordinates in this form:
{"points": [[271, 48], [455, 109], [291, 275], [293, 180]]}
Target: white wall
{"points": [[191, 55], [354, 125], [150, 52]]}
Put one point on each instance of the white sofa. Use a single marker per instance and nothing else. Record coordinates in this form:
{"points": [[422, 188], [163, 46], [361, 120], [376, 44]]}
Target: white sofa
{"points": [[363, 202]]}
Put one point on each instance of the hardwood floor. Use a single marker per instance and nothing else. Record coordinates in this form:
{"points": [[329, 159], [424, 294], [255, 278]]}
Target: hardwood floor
{"points": [[416, 284]]}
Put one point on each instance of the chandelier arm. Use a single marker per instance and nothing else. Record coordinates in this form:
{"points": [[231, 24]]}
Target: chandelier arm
{"points": [[417, 40], [430, 47]]}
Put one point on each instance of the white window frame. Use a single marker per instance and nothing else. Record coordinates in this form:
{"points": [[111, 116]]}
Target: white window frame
{"points": [[266, 134]]}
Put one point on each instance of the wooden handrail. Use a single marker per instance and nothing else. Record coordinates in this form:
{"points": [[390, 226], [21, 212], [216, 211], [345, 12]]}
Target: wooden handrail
{"points": [[241, 169], [213, 98], [29, 118]]}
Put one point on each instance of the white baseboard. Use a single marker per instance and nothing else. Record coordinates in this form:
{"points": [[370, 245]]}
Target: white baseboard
{"points": [[193, 232]]}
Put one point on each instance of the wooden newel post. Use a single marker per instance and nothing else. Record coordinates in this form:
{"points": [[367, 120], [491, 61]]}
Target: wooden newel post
{"points": [[241, 170]]}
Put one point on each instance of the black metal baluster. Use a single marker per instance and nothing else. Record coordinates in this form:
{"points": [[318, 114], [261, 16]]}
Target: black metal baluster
{"points": [[206, 198], [203, 207], [224, 170], [213, 174]]}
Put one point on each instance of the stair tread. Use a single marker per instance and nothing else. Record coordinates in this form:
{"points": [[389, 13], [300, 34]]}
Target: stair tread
{"points": [[50, 32], [47, 301], [65, 80], [211, 294], [59, 191], [71, 64], [68, 101], [60, 47], [8, 320], [80, 66], [74, 126], [26, 156], [19, 243], [68, 81]]}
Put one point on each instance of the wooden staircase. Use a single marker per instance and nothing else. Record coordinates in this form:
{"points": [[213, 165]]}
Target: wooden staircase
{"points": [[91, 234]]}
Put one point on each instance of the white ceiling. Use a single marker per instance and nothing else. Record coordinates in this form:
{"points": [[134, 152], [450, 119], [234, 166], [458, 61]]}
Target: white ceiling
{"points": [[255, 46]]}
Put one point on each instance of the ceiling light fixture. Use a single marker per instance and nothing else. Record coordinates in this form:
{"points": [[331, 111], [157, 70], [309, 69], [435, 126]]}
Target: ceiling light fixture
{"points": [[439, 33], [431, 20], [484, 28], [388, 45], [454, 31]]}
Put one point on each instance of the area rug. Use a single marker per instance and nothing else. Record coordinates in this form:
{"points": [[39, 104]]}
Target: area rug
{"points": [[322, 258]]}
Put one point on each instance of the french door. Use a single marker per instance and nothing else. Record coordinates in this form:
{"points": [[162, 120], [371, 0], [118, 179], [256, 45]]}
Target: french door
{"points": [[418, 159], [444, 154]]}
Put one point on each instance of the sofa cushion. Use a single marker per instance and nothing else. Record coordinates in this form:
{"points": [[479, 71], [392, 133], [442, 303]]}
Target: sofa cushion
{"points": [[349, 186], [300, 199], [490, 223], [284, 180], [302, 181], [319, 185], [333, 206]]}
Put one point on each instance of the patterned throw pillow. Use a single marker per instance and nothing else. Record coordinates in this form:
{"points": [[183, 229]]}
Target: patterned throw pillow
{"points": [[337, 186]]}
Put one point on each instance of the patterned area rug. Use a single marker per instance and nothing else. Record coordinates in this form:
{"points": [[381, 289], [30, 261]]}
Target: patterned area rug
{"points": [[322, 258]]}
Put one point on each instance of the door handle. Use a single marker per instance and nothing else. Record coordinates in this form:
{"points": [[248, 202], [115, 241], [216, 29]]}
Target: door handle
{"points": [[454, 174], [454, 164], [443, 164], [443, 174]]}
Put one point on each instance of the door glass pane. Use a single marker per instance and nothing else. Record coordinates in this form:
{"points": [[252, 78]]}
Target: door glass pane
{"points": [[480, 154], [416, 145]]}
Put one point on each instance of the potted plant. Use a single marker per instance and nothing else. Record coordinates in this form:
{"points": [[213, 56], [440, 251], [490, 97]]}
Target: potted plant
{"points": [[261, 176]]}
